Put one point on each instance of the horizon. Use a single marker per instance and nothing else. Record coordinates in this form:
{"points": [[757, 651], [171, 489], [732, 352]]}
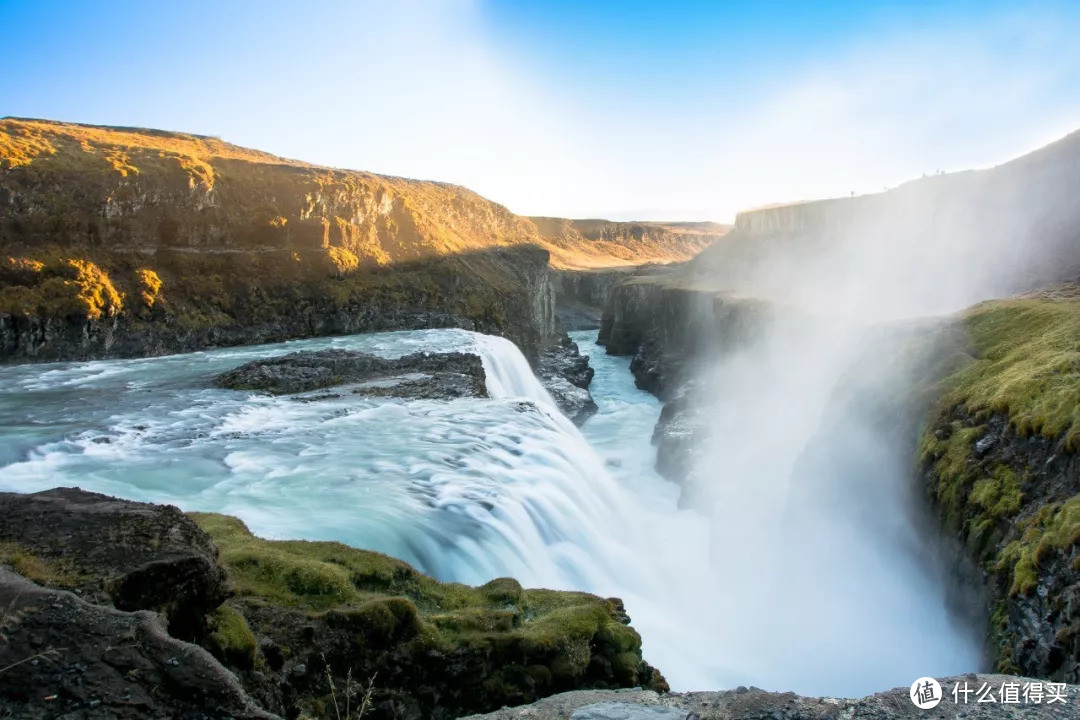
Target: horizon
{"points": [[689, 113]]}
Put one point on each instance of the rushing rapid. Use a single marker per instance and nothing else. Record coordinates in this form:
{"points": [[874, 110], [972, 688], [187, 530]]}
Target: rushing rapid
{"points": [[466, 490]]}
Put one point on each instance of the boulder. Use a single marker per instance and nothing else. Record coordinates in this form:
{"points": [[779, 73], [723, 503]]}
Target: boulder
{"points": [[61, 656], [128, 555]]}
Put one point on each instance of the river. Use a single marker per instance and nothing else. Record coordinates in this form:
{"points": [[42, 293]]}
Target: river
{"points": [[465, 490]]}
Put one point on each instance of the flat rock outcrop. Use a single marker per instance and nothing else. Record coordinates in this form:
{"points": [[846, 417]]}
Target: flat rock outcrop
{"points": [[433, 376]]}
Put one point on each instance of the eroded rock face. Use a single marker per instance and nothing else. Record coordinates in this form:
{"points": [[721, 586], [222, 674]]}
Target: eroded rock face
{"points": [[1031, 570], [437, 376], [131, 556], [566, 374]]}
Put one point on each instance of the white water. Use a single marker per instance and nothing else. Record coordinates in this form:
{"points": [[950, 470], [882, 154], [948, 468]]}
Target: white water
{"points": [[466, 490]]}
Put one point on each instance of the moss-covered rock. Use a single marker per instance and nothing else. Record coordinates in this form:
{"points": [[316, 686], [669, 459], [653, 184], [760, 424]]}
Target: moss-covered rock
{"points": [[436, 649], [999, 456]]}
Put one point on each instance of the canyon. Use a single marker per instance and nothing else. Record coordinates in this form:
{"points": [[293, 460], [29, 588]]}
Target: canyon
{"points": [[833, 383]]}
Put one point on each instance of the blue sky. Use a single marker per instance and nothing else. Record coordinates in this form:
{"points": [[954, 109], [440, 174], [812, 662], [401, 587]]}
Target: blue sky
{"points": [[623, 109]]}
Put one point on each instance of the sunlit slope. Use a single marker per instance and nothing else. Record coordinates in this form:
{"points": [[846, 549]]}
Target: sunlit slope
{"points": [[129, 241], [109, 186], [66, 183], [588, 244]]}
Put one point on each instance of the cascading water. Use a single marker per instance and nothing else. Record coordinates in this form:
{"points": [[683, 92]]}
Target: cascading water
{"points": [[466, 490]]}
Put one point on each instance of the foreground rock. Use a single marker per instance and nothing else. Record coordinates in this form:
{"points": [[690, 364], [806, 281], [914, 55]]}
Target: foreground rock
{"points": [[754, 704], [435, 376], [94, 592], [61, 656], [132, 556]]}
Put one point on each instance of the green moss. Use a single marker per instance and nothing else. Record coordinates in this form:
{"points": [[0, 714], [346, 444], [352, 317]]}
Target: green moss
{"points": [[230, 637], [999, 494], [952, 461], [1003, 639], [53, 573], [1055, 528]]}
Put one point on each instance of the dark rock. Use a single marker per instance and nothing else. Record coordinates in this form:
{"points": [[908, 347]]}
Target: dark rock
{"points": [[98, 662], [566, 375], [440, 376], [132, 556], [1035, 624], [581, 296]]}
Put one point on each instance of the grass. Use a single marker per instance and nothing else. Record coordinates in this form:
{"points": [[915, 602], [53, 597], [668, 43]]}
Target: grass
{"points": [[51, 573], [1025, 367], [1055, 527]]}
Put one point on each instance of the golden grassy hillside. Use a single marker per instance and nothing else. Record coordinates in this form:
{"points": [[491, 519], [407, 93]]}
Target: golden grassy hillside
{"points": [[107, 186], [118, 186]]}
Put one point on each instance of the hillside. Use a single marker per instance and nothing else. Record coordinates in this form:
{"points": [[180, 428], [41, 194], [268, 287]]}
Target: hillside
{"points": [[588, 244], [130, 241]]}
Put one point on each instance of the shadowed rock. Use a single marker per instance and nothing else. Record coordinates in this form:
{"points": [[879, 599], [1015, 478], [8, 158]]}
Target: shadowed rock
{"points": [[133, 556], [61, 656]]}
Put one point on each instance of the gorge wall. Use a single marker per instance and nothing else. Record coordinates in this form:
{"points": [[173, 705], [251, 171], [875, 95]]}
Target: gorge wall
{"points": [[127, 241]]}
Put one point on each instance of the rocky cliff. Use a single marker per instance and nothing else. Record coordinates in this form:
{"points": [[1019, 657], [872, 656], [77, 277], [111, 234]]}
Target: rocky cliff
{"points": [[999, 461], [128, 241], [118, 609]]}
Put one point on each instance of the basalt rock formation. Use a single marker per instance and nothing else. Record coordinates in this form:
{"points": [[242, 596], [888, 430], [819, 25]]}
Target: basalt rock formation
{"points": [[117, 609]]}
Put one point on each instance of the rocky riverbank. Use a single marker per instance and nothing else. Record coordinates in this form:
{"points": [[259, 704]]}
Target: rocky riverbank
{"points": [[117, 609]]}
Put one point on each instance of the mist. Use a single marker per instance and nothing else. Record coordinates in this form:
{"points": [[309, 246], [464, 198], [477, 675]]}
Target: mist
{"points": [[828, 573]]}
